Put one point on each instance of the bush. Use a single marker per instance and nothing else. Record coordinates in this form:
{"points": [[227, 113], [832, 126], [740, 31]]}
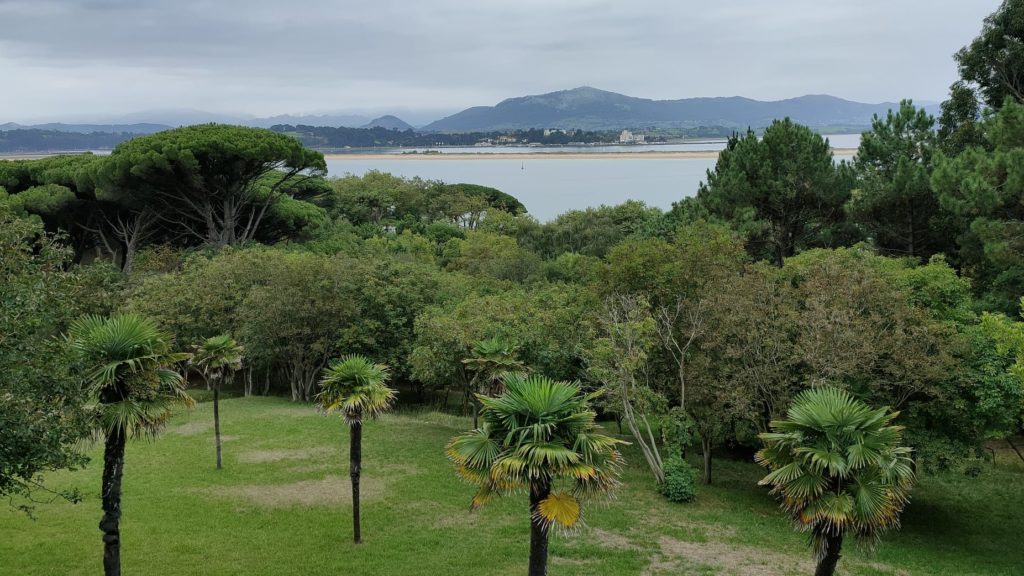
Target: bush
{"points": [[680, 481]]}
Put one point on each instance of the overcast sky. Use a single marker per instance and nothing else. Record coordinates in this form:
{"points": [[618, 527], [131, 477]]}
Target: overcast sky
{"points": [[83, 59]]}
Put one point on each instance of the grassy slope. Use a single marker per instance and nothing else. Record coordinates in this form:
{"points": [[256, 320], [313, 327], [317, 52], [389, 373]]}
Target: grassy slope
{"points": [[271, 511]]}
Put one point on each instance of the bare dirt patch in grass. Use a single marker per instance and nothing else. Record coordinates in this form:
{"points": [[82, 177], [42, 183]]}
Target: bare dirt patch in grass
{"points": [[678, 557], [264, 456], [329, 491], [310, 468], [612, 540]]}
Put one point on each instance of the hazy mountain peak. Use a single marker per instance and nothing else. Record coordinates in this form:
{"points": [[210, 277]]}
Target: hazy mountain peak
{"points": [[388, 122], [591, 108]]}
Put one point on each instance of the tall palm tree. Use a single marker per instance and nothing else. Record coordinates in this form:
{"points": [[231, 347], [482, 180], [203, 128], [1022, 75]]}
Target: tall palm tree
{"points": [[492, 359], [217, 358], [127, 365], [839, 468], [539, 436], [358, 388]]}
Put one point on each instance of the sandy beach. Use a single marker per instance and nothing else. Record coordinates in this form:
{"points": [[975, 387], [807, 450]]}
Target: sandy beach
{"points": [[655, 155]]}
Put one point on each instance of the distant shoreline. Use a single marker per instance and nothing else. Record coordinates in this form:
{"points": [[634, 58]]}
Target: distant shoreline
{"points": [[652, 155]]}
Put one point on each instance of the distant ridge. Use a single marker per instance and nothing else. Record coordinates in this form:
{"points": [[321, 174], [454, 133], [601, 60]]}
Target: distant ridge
{"points": [[594, 109], [138, 128]]}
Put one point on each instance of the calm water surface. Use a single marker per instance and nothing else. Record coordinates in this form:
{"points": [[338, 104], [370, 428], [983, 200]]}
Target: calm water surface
{"points": [[550, 186]]}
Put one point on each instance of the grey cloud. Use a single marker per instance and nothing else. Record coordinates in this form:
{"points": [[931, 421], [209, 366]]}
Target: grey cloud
{"points": [[266, 57]]}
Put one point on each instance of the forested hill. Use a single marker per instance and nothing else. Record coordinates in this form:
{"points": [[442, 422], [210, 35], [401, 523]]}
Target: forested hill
{"points": [[24, 141], [593, 109]]}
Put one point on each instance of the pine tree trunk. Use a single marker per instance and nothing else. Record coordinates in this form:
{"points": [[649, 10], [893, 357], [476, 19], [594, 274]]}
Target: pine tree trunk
{"points": [[705, 445], [827, 564], [113, 470], [538, 530], [216, 420], [355, 469]]}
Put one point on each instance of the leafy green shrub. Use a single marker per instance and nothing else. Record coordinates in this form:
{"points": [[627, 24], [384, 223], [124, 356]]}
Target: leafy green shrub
{"points": [[680, 483]]}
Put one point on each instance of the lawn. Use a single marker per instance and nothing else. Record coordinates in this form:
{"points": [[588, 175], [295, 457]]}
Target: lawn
{"points": [[281, 506]]}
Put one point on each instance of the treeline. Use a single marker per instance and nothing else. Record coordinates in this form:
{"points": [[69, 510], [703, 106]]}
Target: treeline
{"points": [[35, 140], [342, 137]]}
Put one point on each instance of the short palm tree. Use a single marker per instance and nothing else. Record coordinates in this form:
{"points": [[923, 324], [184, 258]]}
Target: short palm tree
{"points": [[127, 365], [492, 359], [217, 358], [839, 468], [358, 388], [539, 436]]}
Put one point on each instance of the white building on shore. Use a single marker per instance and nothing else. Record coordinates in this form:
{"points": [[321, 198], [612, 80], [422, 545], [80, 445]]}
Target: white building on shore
{"points": [[628, 137]]}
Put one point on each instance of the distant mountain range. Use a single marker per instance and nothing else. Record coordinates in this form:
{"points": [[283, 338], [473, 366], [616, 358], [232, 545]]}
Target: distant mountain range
{"points": [[581, 108], [592, 109]]}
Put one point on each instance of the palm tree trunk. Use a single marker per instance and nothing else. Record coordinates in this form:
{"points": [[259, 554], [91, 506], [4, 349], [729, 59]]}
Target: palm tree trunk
{"points": [[355, 469], [216, 420], [827, 564], [113, 470], [476, 415], [538, 530]]}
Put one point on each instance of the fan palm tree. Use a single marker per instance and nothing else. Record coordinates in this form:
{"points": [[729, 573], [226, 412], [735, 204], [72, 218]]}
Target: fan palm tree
{"points": [[217, 358], [538, 436], [127, 364], [839, 468], [492, 359], [358, 388]]}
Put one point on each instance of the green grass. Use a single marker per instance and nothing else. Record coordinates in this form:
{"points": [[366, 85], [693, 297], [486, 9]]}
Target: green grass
{"points": [[271, 511]]}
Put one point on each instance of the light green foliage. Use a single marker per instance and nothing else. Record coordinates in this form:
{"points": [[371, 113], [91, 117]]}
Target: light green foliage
{"points": [[356, 387], [572, 267], [551, 325], [128, 372], [540, 436], [217, 356], [839, 467], [858, 329], [680, 483], [782, 190], [493, 256]]}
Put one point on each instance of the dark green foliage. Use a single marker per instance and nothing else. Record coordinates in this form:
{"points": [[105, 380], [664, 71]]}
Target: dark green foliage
{"points": [[994, 61], [593, 231], [782, 191], [382, 199], [680, 483], [960, 121], [41, 405], [984, 188], [894, 202], [207, 179]]}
